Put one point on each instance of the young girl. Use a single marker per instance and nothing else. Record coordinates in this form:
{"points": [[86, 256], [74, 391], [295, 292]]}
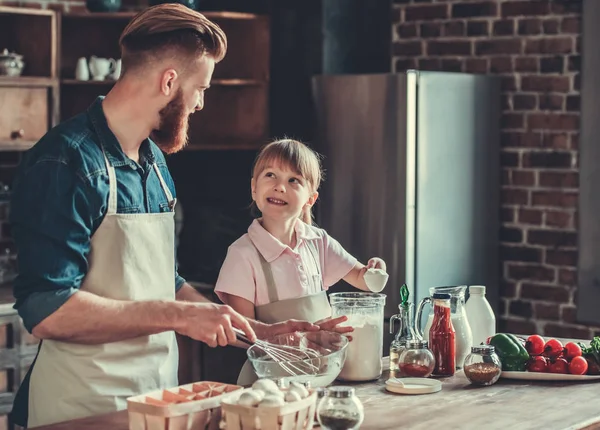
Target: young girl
{"points": [[282, 267]]}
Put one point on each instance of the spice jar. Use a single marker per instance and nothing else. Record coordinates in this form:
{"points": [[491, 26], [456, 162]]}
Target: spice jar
{"points": [[416, 360], [340, 409], [482, 365], [321, 392]]}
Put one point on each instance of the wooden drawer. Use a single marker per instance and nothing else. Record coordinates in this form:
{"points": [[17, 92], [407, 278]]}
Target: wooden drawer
{"points": [[24, 114]]}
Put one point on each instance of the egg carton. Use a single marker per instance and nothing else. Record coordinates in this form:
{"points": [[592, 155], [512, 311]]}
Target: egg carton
{"points": [[297, 415], [193, 406]]}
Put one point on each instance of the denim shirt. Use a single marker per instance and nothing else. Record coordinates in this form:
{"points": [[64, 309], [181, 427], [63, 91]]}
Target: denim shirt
{"points": [[60, 197]]}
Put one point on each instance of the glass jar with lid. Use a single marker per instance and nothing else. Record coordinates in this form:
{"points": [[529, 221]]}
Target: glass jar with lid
{"points": [[340, 409], [416, 360], [482, 366], [365, 315]]}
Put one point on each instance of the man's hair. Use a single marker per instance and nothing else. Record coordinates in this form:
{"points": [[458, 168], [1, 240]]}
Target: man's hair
{"points": [[170, 30]]}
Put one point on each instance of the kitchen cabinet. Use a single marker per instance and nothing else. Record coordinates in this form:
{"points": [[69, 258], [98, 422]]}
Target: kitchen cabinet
{"points": [[236, 113], [17, 351], [28, 103]]}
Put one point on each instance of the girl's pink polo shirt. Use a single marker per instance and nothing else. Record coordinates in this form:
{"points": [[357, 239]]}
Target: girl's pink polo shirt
{"points": [[295, 271]]}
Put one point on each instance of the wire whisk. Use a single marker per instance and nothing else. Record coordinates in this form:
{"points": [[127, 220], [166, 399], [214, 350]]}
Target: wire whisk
{"points": [[295, 360]]}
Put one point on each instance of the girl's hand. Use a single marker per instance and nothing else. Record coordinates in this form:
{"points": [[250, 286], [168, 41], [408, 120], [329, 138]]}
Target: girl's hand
{"points": [[331, 324], [376, 263]]}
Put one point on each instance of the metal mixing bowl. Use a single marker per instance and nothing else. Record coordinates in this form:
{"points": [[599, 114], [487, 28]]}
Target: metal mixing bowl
{"points": [[332, 355]]}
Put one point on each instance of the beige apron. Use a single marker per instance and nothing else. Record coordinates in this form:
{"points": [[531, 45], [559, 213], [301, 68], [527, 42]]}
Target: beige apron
{"points": [[131, 258], [311, 308]]}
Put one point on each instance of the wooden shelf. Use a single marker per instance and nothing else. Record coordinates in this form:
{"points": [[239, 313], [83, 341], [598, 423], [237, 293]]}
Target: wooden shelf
{"points": [[225, 146], [25, 11], [238, 82], [27, 81], [131, 14], [214, 82], [15, 145], [100, 15], [90, 82]]}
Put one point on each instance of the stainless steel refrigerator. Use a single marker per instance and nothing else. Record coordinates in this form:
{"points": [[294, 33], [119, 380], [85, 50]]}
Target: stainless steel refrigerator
{"points": [[412, 175]]}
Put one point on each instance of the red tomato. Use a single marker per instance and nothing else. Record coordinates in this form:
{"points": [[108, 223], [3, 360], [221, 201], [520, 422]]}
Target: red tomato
{"points": [[578, 366], [553, 348], [572, 350], [559, 365], [535, 344], [538, 364]]}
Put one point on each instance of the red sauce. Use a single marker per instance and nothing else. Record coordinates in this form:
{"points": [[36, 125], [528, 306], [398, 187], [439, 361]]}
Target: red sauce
{"points": [[414, 370], [442, 341]]}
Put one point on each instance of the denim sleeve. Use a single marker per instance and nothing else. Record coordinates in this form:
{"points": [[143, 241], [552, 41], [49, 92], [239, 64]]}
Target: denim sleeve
{"points": [[52, 217], [179, 281]]}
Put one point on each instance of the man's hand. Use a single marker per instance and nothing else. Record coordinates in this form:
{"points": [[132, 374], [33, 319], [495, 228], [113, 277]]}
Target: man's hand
{"points": [[212, 324]]}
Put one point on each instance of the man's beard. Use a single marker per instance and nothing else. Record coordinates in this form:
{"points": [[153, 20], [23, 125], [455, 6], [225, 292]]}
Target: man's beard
{"points": [[172, 133]]}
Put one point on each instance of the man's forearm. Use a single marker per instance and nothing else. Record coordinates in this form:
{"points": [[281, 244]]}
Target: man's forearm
{"points": [[187, 293], [90, 319]]}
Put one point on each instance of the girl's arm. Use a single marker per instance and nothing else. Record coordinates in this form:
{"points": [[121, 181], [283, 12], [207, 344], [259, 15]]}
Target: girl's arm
{"points": [[240, 305], [356, 276]]}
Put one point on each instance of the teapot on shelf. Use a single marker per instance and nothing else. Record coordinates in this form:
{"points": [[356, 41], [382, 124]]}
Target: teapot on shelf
{"points": [[100, 68], [11, 63]]}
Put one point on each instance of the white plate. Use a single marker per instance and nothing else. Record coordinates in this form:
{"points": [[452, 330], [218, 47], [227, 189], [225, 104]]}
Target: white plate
{"points": [[413, 385], [538, 376]]}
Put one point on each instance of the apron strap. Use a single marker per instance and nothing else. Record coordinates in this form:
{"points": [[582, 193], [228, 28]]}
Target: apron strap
{"points": [[112, 186], [163, 184], [312, 248], [271, 288]]}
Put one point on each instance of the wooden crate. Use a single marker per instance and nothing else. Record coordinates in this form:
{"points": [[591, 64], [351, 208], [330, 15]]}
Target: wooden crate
{"points": [[193, 406], [291, 416]]}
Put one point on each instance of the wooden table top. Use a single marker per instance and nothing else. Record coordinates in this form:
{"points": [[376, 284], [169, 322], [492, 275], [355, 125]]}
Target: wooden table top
{"points": [[507, 404]]}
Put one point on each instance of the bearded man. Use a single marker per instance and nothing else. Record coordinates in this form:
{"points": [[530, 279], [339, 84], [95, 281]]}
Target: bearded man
{"points": [[92, 219]]}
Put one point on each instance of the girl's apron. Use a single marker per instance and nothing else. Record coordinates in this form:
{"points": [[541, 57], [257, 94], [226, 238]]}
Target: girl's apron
{"points": [[131, 258], [311, 308]]}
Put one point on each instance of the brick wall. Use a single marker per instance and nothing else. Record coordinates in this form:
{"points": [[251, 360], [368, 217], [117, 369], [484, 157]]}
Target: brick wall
{"points": [[535, 45]]}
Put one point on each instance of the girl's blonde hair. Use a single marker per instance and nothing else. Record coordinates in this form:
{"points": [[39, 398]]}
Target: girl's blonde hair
{"points": [[299, 158]]}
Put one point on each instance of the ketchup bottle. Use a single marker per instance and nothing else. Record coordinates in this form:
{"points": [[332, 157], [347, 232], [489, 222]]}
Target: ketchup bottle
{"points": [[442, 337]]}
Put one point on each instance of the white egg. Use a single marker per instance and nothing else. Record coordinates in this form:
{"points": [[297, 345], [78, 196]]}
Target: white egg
{"points": [[299, 388], [266, 385], [251, 397], [272, 400], [292, 396]]}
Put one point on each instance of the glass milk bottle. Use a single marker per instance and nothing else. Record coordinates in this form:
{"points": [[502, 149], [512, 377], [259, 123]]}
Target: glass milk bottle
{"points": [[480, 314], [365, 315]]}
